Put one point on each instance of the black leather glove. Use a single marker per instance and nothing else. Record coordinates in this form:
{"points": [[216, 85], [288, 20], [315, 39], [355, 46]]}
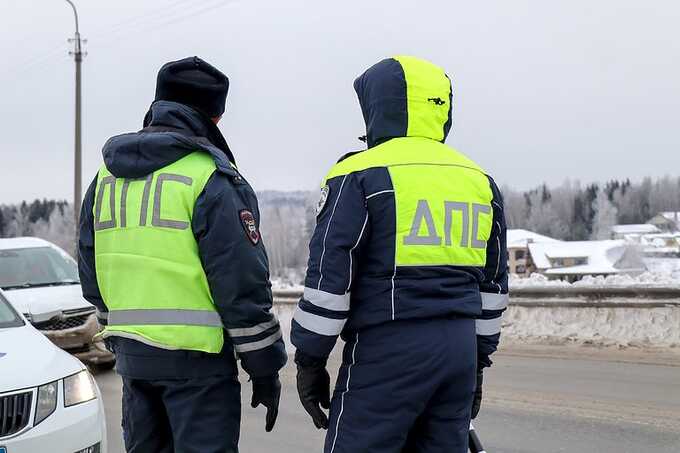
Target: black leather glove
{"points": [[267, 391], [313, 385], [477, 401]]}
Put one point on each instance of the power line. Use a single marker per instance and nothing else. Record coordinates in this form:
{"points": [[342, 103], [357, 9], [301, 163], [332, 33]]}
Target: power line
{"points": [[219, 4], [173, 13], [136, 20], [173, 10], [35, 62], [169, 20]]}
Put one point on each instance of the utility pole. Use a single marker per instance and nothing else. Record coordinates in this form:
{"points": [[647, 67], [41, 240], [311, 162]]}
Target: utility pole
{"points": [[78, 55]]}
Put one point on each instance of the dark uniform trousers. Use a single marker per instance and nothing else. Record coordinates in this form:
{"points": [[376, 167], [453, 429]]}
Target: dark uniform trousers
{"points": [[405, 387], [197, 415]]}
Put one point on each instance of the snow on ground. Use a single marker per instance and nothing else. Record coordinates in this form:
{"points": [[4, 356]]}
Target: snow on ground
{"points": [[664, 266], [279, 284], [286, 285]]}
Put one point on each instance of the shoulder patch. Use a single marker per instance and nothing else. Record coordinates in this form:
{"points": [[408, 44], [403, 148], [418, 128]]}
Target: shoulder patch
{"points": [[325, 191], [249, 226]]}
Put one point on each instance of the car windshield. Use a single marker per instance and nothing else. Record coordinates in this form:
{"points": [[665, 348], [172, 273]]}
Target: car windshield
{"points": [[33, 267], [8, 317]]}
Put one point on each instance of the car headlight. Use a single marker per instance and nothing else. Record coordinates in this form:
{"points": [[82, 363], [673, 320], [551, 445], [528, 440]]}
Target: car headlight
{"points": [[79, 388], [47, 401]]}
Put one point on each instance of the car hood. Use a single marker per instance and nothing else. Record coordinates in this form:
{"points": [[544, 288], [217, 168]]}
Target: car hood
{"points": [[29, 359], [49, 300]]}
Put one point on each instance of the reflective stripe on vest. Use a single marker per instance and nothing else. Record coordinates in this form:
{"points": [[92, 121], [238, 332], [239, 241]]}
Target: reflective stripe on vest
{"points": [[159, 317]]}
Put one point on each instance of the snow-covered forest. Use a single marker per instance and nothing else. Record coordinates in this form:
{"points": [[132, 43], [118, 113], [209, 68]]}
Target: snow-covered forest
{"points": [[287, 222], [47, 219], [575, 212], [570, 211]]}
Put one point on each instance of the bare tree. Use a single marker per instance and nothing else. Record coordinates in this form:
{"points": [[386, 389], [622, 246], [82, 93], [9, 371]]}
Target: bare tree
{"points": [[605, 216], [58, 229]]}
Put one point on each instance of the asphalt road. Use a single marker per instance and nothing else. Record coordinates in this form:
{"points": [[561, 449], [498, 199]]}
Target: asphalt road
{"points": [[542, 400]]}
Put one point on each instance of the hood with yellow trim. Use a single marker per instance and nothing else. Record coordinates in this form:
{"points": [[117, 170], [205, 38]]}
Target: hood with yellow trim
{"points": [[405, 97]]}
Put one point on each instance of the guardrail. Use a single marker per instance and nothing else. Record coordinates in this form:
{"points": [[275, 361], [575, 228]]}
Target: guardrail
{"points": [[598, 297], [596, 292], [636, 316], [287, 296], [567, 296]]}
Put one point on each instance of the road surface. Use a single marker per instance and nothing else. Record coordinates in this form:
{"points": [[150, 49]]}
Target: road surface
{"points": [[540, 400]]}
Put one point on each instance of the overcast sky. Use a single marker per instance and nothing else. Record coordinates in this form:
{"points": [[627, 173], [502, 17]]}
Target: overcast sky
{"points": [[544, 90]]}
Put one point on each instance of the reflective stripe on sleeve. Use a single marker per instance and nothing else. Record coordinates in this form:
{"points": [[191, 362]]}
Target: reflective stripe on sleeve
{"points": [[260, 344], [319, 324], [326, 300], [259, 328], [492, 301], [489, 326], [167, 317]]}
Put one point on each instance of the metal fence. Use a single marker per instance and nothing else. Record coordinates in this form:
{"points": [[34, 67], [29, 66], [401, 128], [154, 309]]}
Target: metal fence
{"points": [[567, 296]]}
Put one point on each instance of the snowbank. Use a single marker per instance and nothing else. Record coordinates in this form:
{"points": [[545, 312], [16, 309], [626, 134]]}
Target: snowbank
{"points": [[285, 285], [602, 326], [669, 267], [662, 273]]}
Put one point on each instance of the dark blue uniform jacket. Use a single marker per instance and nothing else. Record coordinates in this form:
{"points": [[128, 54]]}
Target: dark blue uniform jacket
{"points": [[352, 281], [237, 270]]}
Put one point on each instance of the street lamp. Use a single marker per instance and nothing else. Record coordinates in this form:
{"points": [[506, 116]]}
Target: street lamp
{"points": [[77, 178]]}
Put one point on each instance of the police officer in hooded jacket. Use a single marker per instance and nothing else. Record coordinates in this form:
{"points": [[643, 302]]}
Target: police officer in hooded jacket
{"points": [[171, 256], [408, 264]]}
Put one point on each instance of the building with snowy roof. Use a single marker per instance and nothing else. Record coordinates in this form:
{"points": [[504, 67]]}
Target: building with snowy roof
{"points": [[650, 239], [662, 245], [633, 231], [666, 221], [519, 258], [573, 260]]}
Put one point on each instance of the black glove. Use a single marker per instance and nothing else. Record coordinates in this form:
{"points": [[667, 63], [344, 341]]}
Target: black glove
{"points": [[313, 385], [477, 401], [267, 391]]}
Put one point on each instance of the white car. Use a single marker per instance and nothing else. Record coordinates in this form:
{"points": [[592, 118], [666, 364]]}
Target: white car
{"points": [[41, 281], [49, 402]]}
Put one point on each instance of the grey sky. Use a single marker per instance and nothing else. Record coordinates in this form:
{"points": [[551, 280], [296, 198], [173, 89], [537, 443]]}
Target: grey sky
{"points": [[544, 90]]}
